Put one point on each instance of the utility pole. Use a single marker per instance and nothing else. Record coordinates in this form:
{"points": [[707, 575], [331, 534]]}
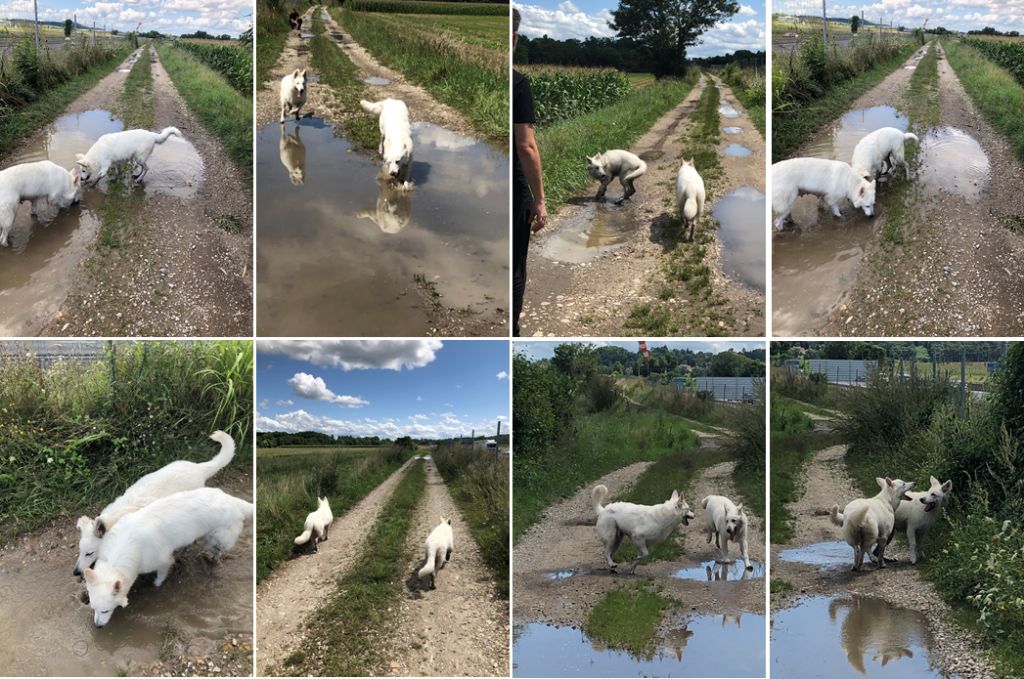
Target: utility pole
{"points": [[94, 31], [963, 380], [35, 7], [497, 443], [824, 24]]}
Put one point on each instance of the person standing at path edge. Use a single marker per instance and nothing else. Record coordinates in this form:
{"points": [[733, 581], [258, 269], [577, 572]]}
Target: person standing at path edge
{"points": [[528, 211]]}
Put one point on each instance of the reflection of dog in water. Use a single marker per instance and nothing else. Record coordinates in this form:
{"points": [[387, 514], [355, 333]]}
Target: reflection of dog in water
{"points": [[293, 155], [872, 626], [394, 207]]}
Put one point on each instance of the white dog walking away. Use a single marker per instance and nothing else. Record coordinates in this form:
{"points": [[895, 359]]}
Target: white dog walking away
{"points": [[438, 550], [317, 524], [35, 181], [724, 520], [119, 147], [146, 540], [834, 180], [645, 525], [171, 478], [689, 195], [395, 138], [616, 163], [869, 521], [878, 152], [293, 93]]}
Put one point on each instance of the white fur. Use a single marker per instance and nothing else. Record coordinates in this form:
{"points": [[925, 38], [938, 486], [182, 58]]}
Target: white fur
{"points": [[689, 195], [171, 478], [317, 524], [293, 93], [834, 180], [724, 520], [869, 521], [134, 146], [34, 182], [920, 511], [616, 163], [395, 138], [438, 549], [393, 211], [646, 525], [293, 156], [145, 541], [877, 149]]}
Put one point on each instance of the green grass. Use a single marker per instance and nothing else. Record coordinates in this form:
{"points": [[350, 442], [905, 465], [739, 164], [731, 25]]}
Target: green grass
{"points": [[491, 32], [287, 486], [790, 453], [120, 226], [272, 31], [467, 81], [427, 7], [628, 619], [225, 112], [344, 634], [806, 407], [565, 145], [16, 124], [136, 100], [339, 73]]}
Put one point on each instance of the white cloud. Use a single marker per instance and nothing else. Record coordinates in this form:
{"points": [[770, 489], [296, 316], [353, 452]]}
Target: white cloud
{"points": [[747, 10], [568, 21], [356, 354], [285, 402], [166, 16], [313, 388], [299, 420], [264, 403], [502, 375], [419, 398]]}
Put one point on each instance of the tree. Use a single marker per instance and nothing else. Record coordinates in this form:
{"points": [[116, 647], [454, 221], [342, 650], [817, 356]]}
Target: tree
{"points": [[67, 28], [854, 23], [664, 29]]}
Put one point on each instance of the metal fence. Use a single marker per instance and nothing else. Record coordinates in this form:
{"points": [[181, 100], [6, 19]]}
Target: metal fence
{"points": [[842, 371], [733, 389]]}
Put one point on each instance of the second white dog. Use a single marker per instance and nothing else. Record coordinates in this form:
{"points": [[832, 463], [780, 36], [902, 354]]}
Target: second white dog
{"points": [[868, 522], [395, 138], [438, 550], [920, 511], [689, 195], [317, 524], [879, 151], [724, 520], [833, 180], [616, 163], [119, 147], [646, 525], [34, 182]]}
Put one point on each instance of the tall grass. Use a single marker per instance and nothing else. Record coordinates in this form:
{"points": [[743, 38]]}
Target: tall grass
{"points": [[341, 75], [234, 62], [750, 88], [272, 30], [75, 434], [427, 7], [994, 90], [559, 94], [478, 483], [746, 442]]}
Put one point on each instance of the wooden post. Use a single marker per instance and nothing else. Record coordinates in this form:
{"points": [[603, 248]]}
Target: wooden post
{"points": [[35, 6]]}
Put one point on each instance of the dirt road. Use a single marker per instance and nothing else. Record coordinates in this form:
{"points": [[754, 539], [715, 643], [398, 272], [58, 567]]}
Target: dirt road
{"points": [[460, 628], [286, 598]]}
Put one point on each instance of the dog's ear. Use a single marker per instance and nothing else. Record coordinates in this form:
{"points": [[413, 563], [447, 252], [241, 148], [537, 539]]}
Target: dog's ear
{"points": [[880, 481], [89, 575], [910, 485], [947, 486], [84, 524], [675, 496], [80, 159], [117, 586], [860, 191], [739, 507], [75, 179], [303, 74], [295, 73], [932, 481], [101, 528]]}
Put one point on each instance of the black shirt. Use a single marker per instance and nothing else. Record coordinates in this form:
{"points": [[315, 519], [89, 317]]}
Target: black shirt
{"points": [[522, 113]]}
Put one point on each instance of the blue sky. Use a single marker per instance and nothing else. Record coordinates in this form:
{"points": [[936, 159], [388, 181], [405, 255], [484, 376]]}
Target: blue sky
{"points": [[167, 16], [388, 388], [563, 19], [537, 350], [955, 15]]}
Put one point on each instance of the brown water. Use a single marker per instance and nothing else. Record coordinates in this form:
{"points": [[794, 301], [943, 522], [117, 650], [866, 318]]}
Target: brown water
{"points": [[339, 253], [595, 229], [740, 217], [952, 161]]}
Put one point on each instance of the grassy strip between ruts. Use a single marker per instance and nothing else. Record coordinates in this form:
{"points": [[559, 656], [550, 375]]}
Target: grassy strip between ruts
{"points": [[225, 112], [344, 634], [792, 127], [478, 92], [790, 453], [17, 124], [136, 100], [628, 618], [339, 73], [565, 145]]}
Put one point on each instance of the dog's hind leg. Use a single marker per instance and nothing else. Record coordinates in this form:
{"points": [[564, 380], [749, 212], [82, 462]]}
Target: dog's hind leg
{"points": [[611, 547], [35, 207], [644, 553]]}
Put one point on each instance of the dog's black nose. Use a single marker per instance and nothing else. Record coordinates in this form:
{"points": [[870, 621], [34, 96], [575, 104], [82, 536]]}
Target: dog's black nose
{"points": [[77, 572]]}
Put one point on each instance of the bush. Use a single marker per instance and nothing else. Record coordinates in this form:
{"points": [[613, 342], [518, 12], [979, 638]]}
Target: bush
{"points": [[26, 75], [802, 387], [788, 418], [602, 393]]}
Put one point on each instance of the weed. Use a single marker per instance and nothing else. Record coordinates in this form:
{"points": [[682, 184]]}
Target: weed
{"points": [[628, 618]]}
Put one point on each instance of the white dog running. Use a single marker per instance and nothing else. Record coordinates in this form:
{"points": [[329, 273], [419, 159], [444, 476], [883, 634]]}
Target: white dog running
{"points": [[646, 525], [146, 540], [879, 152], [689, 195], [724, 521], [869, 521], [172, 478], [834, 180], [616, 163], [395, 138], [33, 182], [317, 524], [293, 93], [438, 550], [119, 147]]}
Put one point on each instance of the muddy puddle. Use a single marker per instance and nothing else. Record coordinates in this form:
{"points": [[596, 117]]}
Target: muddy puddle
{"points": [[701, 646], [596, 228], [712, 571], [952, 161], [563, 574], [736, 151], [376, 80], [740, 217], [47, 630], [340, 253], [838, 143], [727, 111], [732, 129], [851, 637], [827, 554]]}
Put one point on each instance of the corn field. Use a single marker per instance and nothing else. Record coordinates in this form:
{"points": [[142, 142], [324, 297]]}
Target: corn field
{"points": [[562, 94], [234, 62], [1009, 55], [426, 7]]}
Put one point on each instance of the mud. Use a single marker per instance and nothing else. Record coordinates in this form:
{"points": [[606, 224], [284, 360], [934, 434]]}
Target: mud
{"points": [[597, 228]]}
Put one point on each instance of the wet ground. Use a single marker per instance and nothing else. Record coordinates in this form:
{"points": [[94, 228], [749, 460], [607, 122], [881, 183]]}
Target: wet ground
{"points": [[826, 554], [732, 129], [730, 645], [849, 637], [712, 571], [736, 151], [340, 253], [596, 228], [952, 161], [740, 217]]}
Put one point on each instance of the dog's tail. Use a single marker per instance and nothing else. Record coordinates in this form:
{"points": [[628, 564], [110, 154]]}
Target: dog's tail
{"points": [[836, 516], [428, 567], [304, 538], [166, 134], [907, 136], [704, 502], [690, 208], [640, 169], [372, 106], [221, 459], [597, 497]]}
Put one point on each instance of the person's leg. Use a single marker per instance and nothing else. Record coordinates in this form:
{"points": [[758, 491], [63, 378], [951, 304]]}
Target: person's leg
{"points": [[520, 246]]}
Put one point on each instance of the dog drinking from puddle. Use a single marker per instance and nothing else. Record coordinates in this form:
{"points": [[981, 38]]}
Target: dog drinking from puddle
{"points": [[645, 525], [395, 138]]}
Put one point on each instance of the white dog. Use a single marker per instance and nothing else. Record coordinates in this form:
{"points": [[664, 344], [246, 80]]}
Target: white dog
{"points": [[616, 163], [879, 152], [293, 156], [689, 195], [172, 478], [146, 540], [34, 182], [293, 93], [834, 180], [869, 521], [118, 147], [921, 511], [724, 521], [646, 525], [393, 211], [395, 138], [438, 548], [317, 524]]}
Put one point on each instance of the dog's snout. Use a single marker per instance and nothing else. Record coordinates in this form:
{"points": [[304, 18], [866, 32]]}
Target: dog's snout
{"points": [[77, 571]]}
